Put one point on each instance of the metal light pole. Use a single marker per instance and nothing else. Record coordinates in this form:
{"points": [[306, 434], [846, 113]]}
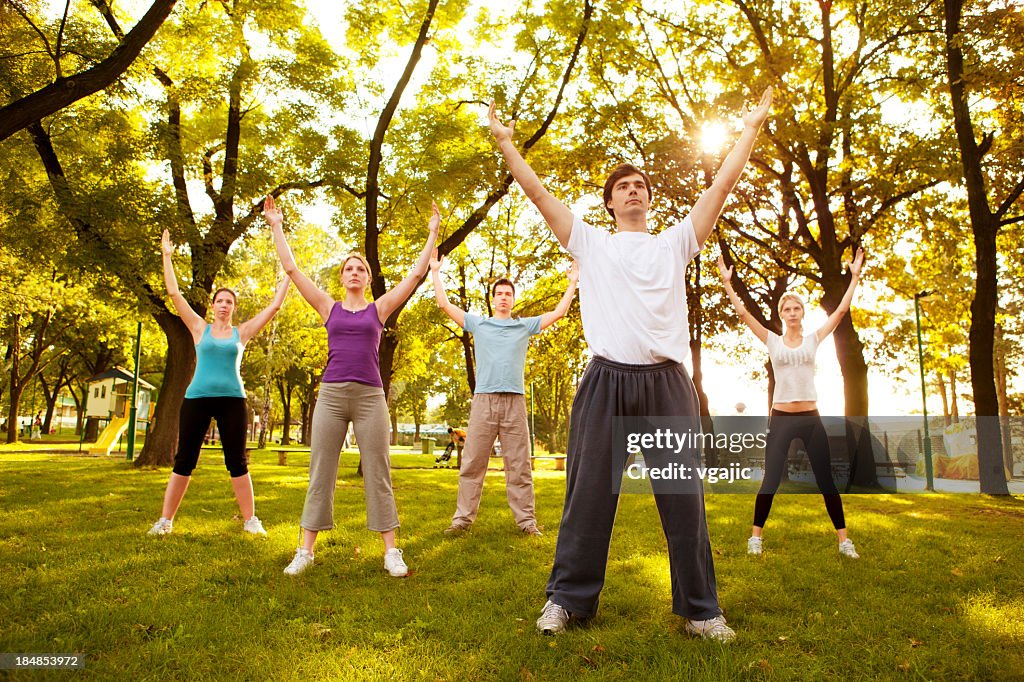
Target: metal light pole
{"points": [[133, 410], [929, 479], [533, 425]]}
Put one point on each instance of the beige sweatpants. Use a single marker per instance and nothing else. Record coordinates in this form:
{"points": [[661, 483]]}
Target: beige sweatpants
{"points": [[494, 415]]}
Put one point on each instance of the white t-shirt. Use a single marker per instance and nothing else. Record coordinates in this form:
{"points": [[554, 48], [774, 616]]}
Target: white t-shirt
{"points": [[633, 291], [793, 367]]}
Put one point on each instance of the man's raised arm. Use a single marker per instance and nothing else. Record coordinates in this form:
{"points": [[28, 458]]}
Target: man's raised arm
{"points": [[707, 209], [457, 314], [558, 216], [548, 319]]}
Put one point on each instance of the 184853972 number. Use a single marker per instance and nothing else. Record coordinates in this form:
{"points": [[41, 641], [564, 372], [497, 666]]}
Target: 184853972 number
{"points": [[41, 661]]}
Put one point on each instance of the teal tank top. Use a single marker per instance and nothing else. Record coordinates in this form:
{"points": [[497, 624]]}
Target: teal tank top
{"points": [[218, 367]]}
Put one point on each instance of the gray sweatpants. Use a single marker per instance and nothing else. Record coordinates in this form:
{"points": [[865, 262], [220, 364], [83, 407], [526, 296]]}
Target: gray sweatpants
{"points": [[338, 405], [608, 390]]}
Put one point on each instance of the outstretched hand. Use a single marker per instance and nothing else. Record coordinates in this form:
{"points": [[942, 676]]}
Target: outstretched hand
{"points": [[857, 264], [500, 131], [271, 213], [724, 272], [574, 272], [435, 262], [166, 246], [435, 219], [756, 116]]}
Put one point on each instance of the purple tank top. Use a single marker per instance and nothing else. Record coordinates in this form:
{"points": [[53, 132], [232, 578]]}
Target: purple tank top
{"points": [[352, 342]]}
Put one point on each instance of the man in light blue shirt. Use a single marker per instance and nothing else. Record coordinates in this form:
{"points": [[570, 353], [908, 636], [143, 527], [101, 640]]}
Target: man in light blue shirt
{"points": [[499, 406]]}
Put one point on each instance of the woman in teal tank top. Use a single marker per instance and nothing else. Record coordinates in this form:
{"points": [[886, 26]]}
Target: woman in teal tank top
{"points": [[216, 392]]}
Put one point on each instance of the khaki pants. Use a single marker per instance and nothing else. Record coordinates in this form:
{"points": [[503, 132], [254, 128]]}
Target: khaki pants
{"points": [[365, 408], [493, 415]]}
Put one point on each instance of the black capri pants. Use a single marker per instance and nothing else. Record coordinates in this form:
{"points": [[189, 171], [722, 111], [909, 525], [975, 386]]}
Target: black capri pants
{"points": [[783, 429], [194, 421]]}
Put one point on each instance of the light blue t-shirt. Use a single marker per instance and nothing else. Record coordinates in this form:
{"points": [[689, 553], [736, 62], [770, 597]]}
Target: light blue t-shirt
{"points": [[501, 351], [218, 367]]}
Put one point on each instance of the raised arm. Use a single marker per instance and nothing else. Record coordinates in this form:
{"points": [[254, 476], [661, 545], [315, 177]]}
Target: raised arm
{"points": [[558, 216], [457, 314], [709, 206], [760, 331], [195, 324], [314, 295], [251, 328], [387, 303], [548, 319], [844, 305]]}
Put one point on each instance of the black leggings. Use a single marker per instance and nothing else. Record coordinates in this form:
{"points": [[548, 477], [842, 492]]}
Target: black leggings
{"points": [[806, 427], [193, 423]]}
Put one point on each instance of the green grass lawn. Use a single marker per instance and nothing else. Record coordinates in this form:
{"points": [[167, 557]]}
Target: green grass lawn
{"points": [[938, 594]]}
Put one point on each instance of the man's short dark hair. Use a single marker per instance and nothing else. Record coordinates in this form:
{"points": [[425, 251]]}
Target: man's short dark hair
{"points": [[503, 282], [621, 171]]}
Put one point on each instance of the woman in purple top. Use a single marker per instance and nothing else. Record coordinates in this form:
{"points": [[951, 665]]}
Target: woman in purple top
{"points": [[351, 392]]}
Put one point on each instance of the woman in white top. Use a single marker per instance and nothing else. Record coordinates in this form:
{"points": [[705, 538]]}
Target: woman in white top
{"points": [[794, 414]]}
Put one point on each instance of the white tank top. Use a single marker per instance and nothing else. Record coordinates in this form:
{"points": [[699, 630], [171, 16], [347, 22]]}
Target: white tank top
{"points": [[794, 368]]}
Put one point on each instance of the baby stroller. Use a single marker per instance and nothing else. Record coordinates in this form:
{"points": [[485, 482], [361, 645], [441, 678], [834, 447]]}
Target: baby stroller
{"points": [[444, 459]]}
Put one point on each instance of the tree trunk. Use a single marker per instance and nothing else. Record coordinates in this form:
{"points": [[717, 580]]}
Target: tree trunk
{"points": [[945, 399], [984, 226], [954, 403], [284, 389], [1002, 376], [12, 412], [162, 439], [15, 387], [79, 408], [52, 396]]}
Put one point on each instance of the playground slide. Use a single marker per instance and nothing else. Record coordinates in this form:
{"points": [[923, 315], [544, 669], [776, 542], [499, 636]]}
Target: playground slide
{"points": [[105, 443]]}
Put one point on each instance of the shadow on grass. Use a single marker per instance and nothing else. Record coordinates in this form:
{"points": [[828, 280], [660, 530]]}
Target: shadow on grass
{"points": [[936, 592]]}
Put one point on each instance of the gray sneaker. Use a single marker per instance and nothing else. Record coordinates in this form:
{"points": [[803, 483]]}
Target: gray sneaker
{"points": [[395, 564], [712, 628], [161, 527], [455, 529], [754, 545], [553, 619], [303, 560], [533, 530], [254, 526], [847, 549]]}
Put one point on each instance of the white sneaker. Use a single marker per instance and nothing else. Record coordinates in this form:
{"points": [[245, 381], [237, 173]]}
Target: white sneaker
{"points": [[553, 619], [712, 628], [161, 527], [254, 526], [754, 545], [394, 564], [847, 549], [303, 560]]}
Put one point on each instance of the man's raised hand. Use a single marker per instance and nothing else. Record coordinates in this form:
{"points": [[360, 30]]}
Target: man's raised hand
{"points": [[166, 247], [724, 272], [574, 272]]}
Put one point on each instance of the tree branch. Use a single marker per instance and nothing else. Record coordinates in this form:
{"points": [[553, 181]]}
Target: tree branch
{"points": [[65, 91], [1008, 201]]}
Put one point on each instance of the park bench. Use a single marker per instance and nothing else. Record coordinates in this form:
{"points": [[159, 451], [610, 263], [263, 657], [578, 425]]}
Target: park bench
{"points": [[892, 469], [282, 454], [559, 461]]}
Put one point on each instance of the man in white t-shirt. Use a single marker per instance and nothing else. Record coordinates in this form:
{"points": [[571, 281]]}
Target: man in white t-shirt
{"points": [[633, 307]]}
